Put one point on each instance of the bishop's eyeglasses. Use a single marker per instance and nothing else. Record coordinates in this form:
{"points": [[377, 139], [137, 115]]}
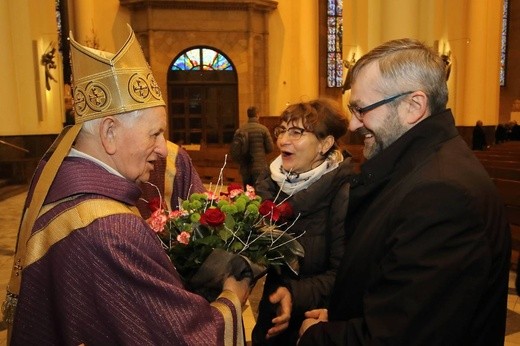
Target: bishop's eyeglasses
{"points": [[359, 112]]}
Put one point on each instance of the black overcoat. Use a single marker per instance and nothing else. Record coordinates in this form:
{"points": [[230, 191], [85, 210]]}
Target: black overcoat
{"points": [[428, 248]]}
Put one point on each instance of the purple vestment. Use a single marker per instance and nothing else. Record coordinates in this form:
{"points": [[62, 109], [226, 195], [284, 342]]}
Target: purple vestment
{"points": [[110, 282]]}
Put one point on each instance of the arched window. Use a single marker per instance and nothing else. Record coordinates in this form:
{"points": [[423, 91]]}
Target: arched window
{"points": [[201, 58], [202, 97]]}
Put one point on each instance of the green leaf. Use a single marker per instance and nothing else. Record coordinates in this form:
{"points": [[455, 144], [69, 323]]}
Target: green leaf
{"points": [[225, 234], [229, 222], [236, 246]]}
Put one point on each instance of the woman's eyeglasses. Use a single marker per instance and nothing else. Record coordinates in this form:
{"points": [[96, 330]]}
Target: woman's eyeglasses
{"points": [[359, 112], [294, 133]]}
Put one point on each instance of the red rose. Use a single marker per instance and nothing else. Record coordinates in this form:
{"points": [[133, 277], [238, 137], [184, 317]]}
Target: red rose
{"points": [[213, 217], [154, 204], [286, 210], [269, 210]]}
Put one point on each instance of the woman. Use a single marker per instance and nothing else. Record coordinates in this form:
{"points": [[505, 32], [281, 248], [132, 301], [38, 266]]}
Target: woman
{"points": [[311, 175]]}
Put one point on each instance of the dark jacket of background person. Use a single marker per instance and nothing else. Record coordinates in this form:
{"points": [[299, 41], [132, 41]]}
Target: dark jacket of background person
{"points": [[479, 137], [421, 203], [515, 131], [260, 144], [500, 134], [322, 208]]}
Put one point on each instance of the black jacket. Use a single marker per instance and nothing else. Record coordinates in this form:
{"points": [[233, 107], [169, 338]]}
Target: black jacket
{"points": [[428, 248], [322, 208]]}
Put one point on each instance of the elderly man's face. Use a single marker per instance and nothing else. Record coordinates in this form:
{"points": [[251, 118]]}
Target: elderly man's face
{"points": [[140, 144], [380, 126]]}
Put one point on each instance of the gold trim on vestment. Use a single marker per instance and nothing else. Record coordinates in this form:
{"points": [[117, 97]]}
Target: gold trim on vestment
{"points": [[59, 149], [230, 326], [170, 171], [78, 216], [62, 148]]}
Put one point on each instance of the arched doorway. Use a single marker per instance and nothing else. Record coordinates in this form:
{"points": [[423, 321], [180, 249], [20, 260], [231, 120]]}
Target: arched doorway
{"points": [[202, 97]]}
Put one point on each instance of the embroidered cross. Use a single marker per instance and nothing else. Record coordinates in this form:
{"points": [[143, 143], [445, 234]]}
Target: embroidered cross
{"points": [[141, 88]]}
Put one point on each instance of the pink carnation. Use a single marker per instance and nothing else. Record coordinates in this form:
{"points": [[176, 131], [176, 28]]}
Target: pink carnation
{"points": [[234, 186], [175, 214], [157, 220], [250, 192], [211, 195], [184, 238], [234, 193], [234, 190]]}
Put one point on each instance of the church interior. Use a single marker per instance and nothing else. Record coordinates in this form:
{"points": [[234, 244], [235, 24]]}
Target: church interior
{"points": [[213, 59]]}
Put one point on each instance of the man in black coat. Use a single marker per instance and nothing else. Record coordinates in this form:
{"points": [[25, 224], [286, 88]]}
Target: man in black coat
{"points": [[428, 244], [478, 139]]}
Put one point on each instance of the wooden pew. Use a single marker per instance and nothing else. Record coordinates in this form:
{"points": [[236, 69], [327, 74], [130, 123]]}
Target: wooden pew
{"points": [[208, 162], [498, 157], [513, 146], [509, 190], [503, 172], [502, 162]]}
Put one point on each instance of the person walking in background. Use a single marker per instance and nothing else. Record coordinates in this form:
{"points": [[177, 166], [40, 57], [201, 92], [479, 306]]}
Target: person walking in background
{"points": [[428, 244], [479, 137], [312, 177], [251, 144], [88, 269]]}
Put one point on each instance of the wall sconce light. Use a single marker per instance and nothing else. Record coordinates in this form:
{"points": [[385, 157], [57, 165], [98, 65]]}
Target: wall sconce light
{"points": [[446, 57]]}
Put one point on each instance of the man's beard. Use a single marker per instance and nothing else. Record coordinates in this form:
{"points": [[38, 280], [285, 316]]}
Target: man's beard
{"points": [[388, 133]]}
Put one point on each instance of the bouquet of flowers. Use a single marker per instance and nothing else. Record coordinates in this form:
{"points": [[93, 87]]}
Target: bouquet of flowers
{"points": [[210, 229]]}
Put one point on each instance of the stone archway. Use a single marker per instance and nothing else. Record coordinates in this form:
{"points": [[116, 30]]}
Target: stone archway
{"points": [[202, 97], [239, 28]]}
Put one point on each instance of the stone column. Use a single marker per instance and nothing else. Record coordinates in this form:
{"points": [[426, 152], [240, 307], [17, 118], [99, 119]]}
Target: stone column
{"points": [[83, 19], [482, 65]]}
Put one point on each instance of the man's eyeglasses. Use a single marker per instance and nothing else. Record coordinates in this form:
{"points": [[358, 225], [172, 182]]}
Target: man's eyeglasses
{"points": [[359, 112], [294, 133]]}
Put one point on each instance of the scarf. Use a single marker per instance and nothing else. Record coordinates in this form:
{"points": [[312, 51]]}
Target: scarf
{"points": [[291, 183]]}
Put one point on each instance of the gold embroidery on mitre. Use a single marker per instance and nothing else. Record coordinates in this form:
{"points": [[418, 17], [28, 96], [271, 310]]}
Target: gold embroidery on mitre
{"points": [[107, 84], [98, 96], [138, 88]]}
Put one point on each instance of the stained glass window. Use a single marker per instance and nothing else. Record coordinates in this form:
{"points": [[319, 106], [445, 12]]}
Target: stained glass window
{"points": [[201, 59], [503, 50], [335, 43], [58, 21]]}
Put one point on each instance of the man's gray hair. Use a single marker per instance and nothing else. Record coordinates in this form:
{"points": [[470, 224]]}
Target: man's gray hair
{"points": [[91, 127], [408, 65]]}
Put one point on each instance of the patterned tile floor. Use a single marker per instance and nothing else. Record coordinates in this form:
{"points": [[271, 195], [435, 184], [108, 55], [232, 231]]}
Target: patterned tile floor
{"points": [[10, 210]]}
